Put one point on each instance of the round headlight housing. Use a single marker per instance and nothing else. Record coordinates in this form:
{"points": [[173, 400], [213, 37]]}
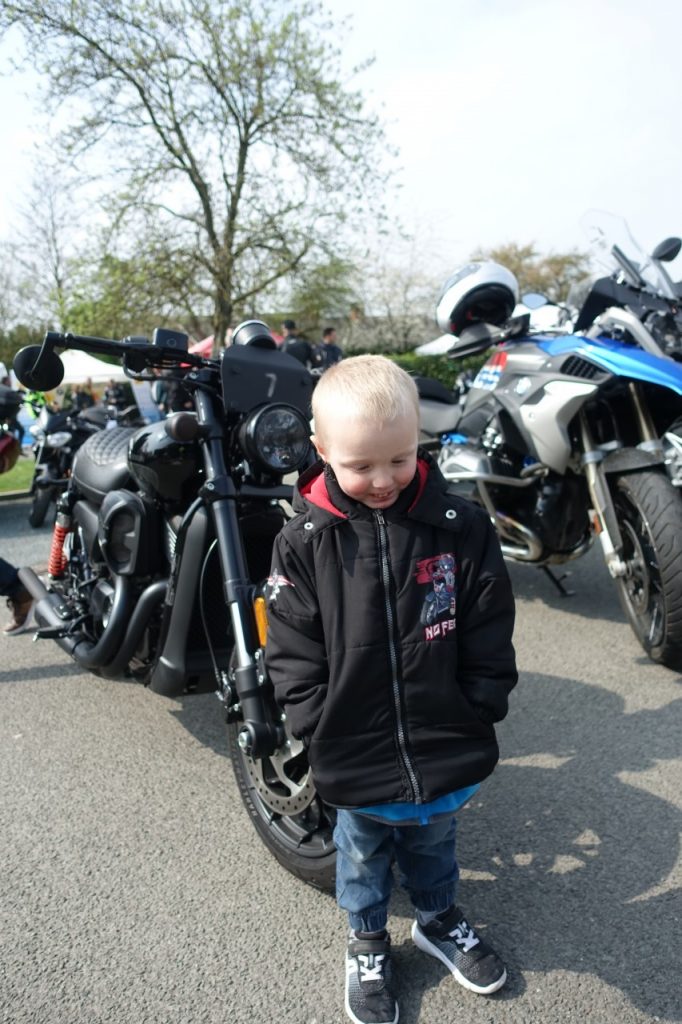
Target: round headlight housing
{"points": [[276, 438], [58, 439]]}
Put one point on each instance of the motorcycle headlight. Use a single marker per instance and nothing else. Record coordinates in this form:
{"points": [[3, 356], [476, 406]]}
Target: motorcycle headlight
{"points": [[58, 439], [276, 438]]}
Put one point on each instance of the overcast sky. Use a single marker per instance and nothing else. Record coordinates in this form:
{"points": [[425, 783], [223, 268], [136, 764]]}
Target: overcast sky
{"points": [[512, 117]]}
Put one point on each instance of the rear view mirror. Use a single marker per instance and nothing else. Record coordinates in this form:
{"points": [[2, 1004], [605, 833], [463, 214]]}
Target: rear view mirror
{"points": [[667, 250], [42, 374]]}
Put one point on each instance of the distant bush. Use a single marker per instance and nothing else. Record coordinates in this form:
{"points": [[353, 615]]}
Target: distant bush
{"points": [[442, 368]]}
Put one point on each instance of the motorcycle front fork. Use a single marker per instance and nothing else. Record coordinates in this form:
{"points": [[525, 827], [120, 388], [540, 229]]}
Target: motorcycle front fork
{"points": [[605, 521]]}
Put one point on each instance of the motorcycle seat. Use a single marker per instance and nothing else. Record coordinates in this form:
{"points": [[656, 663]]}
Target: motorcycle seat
{"points": [[95, 416], [101, 463], [437, 418], [434, 390]]}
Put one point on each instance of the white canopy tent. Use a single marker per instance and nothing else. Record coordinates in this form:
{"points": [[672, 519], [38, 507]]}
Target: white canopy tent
{"points": [[78, 366]]}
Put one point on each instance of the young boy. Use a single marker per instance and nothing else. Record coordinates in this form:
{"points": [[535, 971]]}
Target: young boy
{"points": [[390, 651]]}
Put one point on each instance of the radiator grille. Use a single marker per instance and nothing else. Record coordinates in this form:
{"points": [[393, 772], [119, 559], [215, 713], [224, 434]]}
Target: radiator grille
{"points": [[576, 366]]}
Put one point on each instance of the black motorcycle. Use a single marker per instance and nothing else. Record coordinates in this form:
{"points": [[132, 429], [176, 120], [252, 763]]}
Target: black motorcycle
{"points": [[162, 543], [57, 435]]}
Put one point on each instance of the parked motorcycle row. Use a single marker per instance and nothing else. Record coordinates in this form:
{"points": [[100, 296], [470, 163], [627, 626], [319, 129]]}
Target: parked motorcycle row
{"points": [[163, 532], [57, 436], [57, 433]]}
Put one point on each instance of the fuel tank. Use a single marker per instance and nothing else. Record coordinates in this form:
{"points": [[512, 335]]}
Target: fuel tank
{"points": [[163, 467]]}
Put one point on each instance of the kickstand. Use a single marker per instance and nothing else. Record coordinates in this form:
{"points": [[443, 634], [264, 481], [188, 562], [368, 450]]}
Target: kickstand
{"points": [[558, 581]]}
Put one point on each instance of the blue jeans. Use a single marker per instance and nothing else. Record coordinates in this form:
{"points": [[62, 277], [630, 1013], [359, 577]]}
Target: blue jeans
{"points": [[425, 855]]}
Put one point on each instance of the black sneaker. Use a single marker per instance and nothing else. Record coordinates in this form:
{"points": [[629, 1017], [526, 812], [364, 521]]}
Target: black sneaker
{"points": [[369, 999], [455, 943]]}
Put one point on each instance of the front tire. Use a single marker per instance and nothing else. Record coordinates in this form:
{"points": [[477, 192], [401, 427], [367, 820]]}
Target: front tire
{"points": [[290, 818], [40, 503], [649, 513]]}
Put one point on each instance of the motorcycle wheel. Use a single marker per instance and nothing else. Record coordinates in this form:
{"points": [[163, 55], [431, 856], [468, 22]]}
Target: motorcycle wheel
{"points": [[40, 503], [428, 614], [290, 818], [649, 512]]}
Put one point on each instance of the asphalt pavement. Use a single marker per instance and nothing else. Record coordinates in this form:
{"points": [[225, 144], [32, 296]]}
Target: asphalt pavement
{"points": [[134, 889]]}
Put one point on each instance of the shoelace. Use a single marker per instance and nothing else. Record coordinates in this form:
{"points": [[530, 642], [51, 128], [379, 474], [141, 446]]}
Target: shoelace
{"points": [[375, 973], [464, 936]]}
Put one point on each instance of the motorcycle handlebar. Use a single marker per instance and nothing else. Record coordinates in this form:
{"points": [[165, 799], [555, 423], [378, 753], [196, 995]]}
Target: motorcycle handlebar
{"points": [[153, 354], [39, 367]]}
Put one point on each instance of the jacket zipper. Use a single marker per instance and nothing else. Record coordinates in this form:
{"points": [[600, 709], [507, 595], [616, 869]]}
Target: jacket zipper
{"points": [[397, 702]]}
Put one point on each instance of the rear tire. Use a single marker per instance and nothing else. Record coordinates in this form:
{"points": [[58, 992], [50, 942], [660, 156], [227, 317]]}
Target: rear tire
{"points": [[301, 841], [649, 513], [40, 503]]}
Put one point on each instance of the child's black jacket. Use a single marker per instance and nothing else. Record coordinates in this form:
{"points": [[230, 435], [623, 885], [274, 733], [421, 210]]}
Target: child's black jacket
{"points": [[389, 643]]}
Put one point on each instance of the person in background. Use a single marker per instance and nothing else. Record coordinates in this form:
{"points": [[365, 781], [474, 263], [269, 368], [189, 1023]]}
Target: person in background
{"points": [[114, 394], [83, 397], [19, 601], [295, 346], [34, 402], [327, 352]]}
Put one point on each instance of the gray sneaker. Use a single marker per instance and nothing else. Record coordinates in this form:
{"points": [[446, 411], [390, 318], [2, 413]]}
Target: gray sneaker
{"points": [[369, 998], [472, 961]]}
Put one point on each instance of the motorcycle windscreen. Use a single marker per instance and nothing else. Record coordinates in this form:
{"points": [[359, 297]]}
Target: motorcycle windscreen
{"points": [[252, 376]]}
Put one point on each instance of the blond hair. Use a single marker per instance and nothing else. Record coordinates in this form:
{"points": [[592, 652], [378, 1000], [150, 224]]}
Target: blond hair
{"points": [[371, 388]]}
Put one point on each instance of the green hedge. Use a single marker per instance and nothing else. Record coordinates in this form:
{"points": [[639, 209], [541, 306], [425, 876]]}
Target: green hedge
{"points": [[442, 368]]}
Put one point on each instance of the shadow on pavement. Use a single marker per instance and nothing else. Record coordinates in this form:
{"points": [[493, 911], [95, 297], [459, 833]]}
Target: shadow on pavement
{"points": [[37, 672], [595, 595], [566, 857]]}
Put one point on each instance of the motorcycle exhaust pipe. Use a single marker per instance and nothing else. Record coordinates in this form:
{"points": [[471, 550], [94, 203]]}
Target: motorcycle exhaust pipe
{"points": [[50, 612], [531, 550], [146, 604]]}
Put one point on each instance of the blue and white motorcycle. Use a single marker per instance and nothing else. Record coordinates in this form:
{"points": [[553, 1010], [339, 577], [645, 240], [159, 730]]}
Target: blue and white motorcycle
{"points": [[560, 439], [637, 301]]}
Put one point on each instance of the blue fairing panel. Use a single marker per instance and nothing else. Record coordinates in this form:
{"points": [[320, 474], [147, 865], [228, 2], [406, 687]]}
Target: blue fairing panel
{"points": [[618, 358]]}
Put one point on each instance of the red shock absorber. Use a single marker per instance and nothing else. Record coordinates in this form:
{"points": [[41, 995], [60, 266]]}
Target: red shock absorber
{"points": [[57, 560]]}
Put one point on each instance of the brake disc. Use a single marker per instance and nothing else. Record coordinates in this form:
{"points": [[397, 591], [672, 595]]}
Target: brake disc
{"points": [[282, 794]]}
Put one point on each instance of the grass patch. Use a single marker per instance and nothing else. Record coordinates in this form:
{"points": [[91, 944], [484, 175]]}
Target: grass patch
{"points": [[19, 477]]}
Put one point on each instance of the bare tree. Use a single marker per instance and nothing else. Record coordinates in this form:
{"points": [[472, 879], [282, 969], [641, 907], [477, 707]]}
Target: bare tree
{"points": [[399, 286], [43, 249], [552, 275], [227, 124]]}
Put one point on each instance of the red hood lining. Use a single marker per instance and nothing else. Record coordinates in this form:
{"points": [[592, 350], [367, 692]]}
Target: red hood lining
{"points": [[315, 491]]}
